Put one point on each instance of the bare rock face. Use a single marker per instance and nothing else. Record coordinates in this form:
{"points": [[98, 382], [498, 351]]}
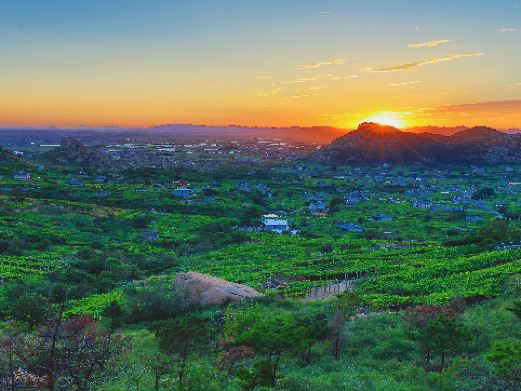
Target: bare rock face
{"points": [[203, 290]]}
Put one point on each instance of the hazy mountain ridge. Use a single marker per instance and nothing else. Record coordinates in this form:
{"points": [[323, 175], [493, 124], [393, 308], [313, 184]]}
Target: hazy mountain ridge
{"points": [[374, 143], [443, 130]]}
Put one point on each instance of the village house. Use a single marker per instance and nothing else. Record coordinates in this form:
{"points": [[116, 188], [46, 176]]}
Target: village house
{"points": [[318, 208], [262, 188], [382, 217], [422, 204], [243, 187], [150, 235], [441, 208], [22, 176], [273, 223], [348, 227], [181, 183], [102, 194], [183, 192], [74, 182], [355, 198]]}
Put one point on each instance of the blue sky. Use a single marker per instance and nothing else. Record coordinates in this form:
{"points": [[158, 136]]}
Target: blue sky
{"points": [[145, 62]]}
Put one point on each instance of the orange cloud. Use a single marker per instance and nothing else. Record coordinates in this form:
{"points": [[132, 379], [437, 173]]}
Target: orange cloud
{"points": [[429, 44], [338, 61], [404, 83], [415, 65], [494, 108]]}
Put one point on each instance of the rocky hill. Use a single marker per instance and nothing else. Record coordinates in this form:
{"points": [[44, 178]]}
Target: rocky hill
{"points": [[375, 143], [72, 151]]}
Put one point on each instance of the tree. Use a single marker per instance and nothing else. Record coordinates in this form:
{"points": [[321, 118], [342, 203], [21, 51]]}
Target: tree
{"points": [[271, 335], [484, 192], [181, 336], [498, 230], [343, 307], [515, 308], [115, 313], [314, 327], [505, 358], [8, 360], [250, 215], [335, 204], [62, 353], [443, 336], [141, 221], [30, 308], [153, 300], [419, 316]]}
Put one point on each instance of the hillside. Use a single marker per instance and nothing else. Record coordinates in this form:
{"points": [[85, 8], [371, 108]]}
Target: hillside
{"points": [[10, 163], [375, 143], [137, 270]]}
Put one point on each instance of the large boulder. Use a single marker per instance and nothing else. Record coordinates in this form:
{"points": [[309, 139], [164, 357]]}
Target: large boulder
{"points": [[203, 290]]}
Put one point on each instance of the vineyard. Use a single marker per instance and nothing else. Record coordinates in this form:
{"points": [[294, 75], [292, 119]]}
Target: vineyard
{"points": [[411, 266]]}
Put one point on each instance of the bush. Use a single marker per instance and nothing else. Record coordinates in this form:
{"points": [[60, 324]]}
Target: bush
{"points": [[484, 192], [154, 301]]}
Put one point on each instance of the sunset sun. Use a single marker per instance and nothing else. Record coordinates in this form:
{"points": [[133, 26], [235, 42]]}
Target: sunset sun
{"points": [[387, 119]]}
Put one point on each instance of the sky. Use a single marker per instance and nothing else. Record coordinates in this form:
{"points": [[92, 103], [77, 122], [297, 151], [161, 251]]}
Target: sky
{"points": [[260, 63]]}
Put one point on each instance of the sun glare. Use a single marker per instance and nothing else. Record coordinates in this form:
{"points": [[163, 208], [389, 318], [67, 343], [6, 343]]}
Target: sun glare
{"points": [[387, 119]]}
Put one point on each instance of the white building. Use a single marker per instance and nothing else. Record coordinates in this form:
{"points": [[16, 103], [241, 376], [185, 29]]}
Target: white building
{"points": [[273, 223], [22, 176]]}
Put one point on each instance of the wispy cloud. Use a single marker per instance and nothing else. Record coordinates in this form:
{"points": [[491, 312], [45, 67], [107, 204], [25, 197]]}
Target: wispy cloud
{"points": [[337, 61], [404, 83], [263, 94], [415, 65], [303, 80], [508, 30], [262, 77], [483, 108], [330, 76], [518, 84], [341, 77], [325, 12], [429, 44], [303, 96]]}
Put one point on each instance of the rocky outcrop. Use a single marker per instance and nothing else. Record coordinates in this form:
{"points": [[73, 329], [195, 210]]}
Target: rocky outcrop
{"points": [[73, 151], [203, 290], [374, 143]]}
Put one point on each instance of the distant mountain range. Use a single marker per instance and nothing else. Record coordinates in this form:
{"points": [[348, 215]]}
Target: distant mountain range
{"points": [[375, 143], [164, 133], [318, 134], [321, 135]]}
